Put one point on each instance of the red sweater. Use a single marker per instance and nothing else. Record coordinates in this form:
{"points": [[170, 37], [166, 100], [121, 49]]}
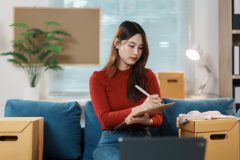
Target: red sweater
{"points": [[110, 101]]}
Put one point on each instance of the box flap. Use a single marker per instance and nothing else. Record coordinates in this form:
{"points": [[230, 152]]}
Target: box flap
{"points": [[209, 125], [15, 124]]}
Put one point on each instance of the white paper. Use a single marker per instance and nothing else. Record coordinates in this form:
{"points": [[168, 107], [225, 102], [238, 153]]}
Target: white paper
{"points": [[237, 94], [236, 7], [236, 60]]}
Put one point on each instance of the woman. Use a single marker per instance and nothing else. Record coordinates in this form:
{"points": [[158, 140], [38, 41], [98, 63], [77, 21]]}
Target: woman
{"points": [[113, 93]]}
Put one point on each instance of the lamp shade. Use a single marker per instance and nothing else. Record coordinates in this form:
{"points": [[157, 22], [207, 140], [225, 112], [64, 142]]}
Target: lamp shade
{"points": [[193, 54]]}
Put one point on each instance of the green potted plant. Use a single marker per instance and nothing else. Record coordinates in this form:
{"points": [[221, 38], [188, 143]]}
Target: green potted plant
{"points": [[35, 50]]}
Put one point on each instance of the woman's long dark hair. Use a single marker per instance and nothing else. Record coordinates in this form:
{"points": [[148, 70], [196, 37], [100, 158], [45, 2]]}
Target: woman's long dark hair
{"points": [[126, 30]]}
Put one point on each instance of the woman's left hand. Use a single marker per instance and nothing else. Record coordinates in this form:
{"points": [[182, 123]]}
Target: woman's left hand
{"points": [[144, 119]]}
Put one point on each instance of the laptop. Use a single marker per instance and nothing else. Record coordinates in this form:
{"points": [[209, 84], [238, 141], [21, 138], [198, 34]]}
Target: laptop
{"points": [[172, 148]]}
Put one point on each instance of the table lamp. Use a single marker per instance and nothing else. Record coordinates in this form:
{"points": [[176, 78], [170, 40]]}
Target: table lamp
{"points": [[195, 55]]}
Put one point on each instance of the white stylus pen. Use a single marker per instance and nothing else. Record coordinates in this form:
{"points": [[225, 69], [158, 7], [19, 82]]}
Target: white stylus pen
{"points": [[142, 90]]}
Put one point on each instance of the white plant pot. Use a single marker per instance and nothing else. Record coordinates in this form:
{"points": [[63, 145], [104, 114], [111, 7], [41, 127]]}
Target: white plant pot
{"points": [[31, 93]]}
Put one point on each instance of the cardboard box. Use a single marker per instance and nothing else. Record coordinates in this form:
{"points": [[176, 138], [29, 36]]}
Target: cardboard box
{"points": [[171, 84], [21, 138], [222, 137]]}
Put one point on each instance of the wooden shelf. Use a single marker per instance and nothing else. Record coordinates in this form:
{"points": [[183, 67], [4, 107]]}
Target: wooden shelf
{"points": [[225, 47], [236, 31]]}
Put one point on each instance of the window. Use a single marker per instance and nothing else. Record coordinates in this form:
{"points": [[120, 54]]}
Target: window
{"points": [[166, 26]]}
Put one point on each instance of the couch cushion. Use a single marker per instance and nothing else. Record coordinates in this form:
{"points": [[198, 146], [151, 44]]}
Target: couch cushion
{"points": [[62, 128], [168, 128], [92, 131]]}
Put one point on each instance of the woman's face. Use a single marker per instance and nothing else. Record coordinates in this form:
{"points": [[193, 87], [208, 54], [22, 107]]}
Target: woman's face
{"points": [[129, 51]]}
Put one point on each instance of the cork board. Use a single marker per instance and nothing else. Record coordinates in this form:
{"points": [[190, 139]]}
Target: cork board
{"points": [[83, 24]]}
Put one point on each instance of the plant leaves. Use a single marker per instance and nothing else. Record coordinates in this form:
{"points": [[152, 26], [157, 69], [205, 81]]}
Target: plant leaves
{"points": [[52, 23], [17, 56], [15, 62], [57, 35], [22, 25], [21, 48], [52, 63], [36, 32], [51, 37], [36, 48], [43, 55], [27, 34], [60, 32], [19, 41], [55, 48], [54, 67], [57, 39]]}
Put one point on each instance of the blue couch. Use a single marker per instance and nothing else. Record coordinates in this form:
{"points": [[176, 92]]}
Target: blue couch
{"points": [[65, 139]]}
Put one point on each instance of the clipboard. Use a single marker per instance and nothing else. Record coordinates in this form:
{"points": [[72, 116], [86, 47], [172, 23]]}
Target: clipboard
{"points": [[150, 111], [154, 110]]}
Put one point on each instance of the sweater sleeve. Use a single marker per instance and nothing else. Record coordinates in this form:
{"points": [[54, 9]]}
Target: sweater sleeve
{"points": [[108, 118], [154, 89]]}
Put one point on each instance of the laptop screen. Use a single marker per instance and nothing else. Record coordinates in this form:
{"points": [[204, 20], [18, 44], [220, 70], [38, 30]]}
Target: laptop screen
{"points": [[173, 148]]}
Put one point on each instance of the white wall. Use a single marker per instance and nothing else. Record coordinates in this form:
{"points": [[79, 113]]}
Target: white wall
{"points": [[205, 33], [12, 81]]}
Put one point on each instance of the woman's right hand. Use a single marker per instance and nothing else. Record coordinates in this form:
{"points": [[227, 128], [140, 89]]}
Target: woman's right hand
{"points": [[151, 101]]}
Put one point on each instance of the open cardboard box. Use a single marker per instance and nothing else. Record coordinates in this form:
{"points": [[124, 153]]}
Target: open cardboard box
{"points": [[222, 137], [21, 138]]}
